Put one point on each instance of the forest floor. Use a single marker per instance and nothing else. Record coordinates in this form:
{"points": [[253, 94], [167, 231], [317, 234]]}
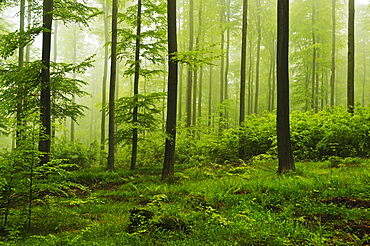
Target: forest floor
{"points": [[245, 204]]}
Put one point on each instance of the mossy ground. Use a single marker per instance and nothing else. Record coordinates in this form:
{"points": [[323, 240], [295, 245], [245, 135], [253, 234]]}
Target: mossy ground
{"points": [[243, 204]]}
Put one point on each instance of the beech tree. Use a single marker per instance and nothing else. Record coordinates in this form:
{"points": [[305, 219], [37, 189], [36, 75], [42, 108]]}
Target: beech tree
{"points": [[243, 67], [285, 155], [112, 87], [351, 57], [44, 144], [169, 156]]}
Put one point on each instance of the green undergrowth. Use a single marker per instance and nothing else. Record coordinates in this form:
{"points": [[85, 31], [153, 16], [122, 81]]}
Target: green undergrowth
{"points": [[321, 203]]}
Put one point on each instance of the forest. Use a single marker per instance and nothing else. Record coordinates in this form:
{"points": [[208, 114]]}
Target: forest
{"points": [[184, 122]]}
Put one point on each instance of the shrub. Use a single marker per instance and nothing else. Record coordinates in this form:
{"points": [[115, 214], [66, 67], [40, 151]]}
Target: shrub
{"points": [[76, 152], [331, 132]]}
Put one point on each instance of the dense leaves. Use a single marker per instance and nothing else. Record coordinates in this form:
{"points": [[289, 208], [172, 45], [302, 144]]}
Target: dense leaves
{"points": [[148, 110], [332, 132]]}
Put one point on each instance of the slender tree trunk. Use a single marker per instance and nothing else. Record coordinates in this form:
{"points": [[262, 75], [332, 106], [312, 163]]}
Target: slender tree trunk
{"points": [[351, 57], [190, 72], [104, 83], [112, 87], [136, 88], [181, 70], [20, 87], [333, 44], [364, 80], [243, 67], [197, 81], [74, 77], [169, 156], [222, 67], [201, 34], [256, 95], [44, 143], [250, 77], [285, 155], [194, 103], [273, 94], [29, 22], [227, 62], [269, 86], [210, 95], [55, 58], [317, 87], [314, 55], [200, 94]]}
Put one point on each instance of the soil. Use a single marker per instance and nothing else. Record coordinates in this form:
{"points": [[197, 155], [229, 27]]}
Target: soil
{"points": [[346, 230], [348, 202]]}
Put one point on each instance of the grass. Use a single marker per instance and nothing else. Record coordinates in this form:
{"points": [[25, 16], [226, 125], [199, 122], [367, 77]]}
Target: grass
{"points": [[318, 204]]}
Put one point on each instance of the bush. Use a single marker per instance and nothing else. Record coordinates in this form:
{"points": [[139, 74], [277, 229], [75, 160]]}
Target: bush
{"points": [[76, 152], [331, 132]]}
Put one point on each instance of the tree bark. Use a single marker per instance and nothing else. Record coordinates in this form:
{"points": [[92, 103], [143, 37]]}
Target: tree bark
{"points": [[222, 66], [210, 95], [333, 43], [243, 67], [351, 57], [19, 116], [285, 155], [136, 88], [364, 79], [169, 157], [104, 82], [256, 96], [112, 88], [72, 133], [189, 91], [44, 143], [314, 56]]}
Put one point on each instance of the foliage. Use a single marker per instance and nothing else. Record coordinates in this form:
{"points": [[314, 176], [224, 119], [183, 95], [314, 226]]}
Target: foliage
{"points": [[246, 204], [74, 11], [147, 110], [10, 42], [153, 38], [200, 57], [332, 132], [24, 83], [76, 152], [25, 183]]}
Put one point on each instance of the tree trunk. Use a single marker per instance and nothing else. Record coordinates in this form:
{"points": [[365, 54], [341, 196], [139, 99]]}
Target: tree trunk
{"points": [[169, 157], [314, 55], [227, 62], [333, 43], [250, 77], [190, 72], [194, 103], [351, 57], [243, 67], [181, 69], [29, 22], [273, 94], [55, 58], [364, 80], [72, 133], [285, 155], [104, 82], [269, 86], [44, 143], [112, 87], [210, 95], [136, 87], [222, 67], [256, 96], [20, 88]]}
